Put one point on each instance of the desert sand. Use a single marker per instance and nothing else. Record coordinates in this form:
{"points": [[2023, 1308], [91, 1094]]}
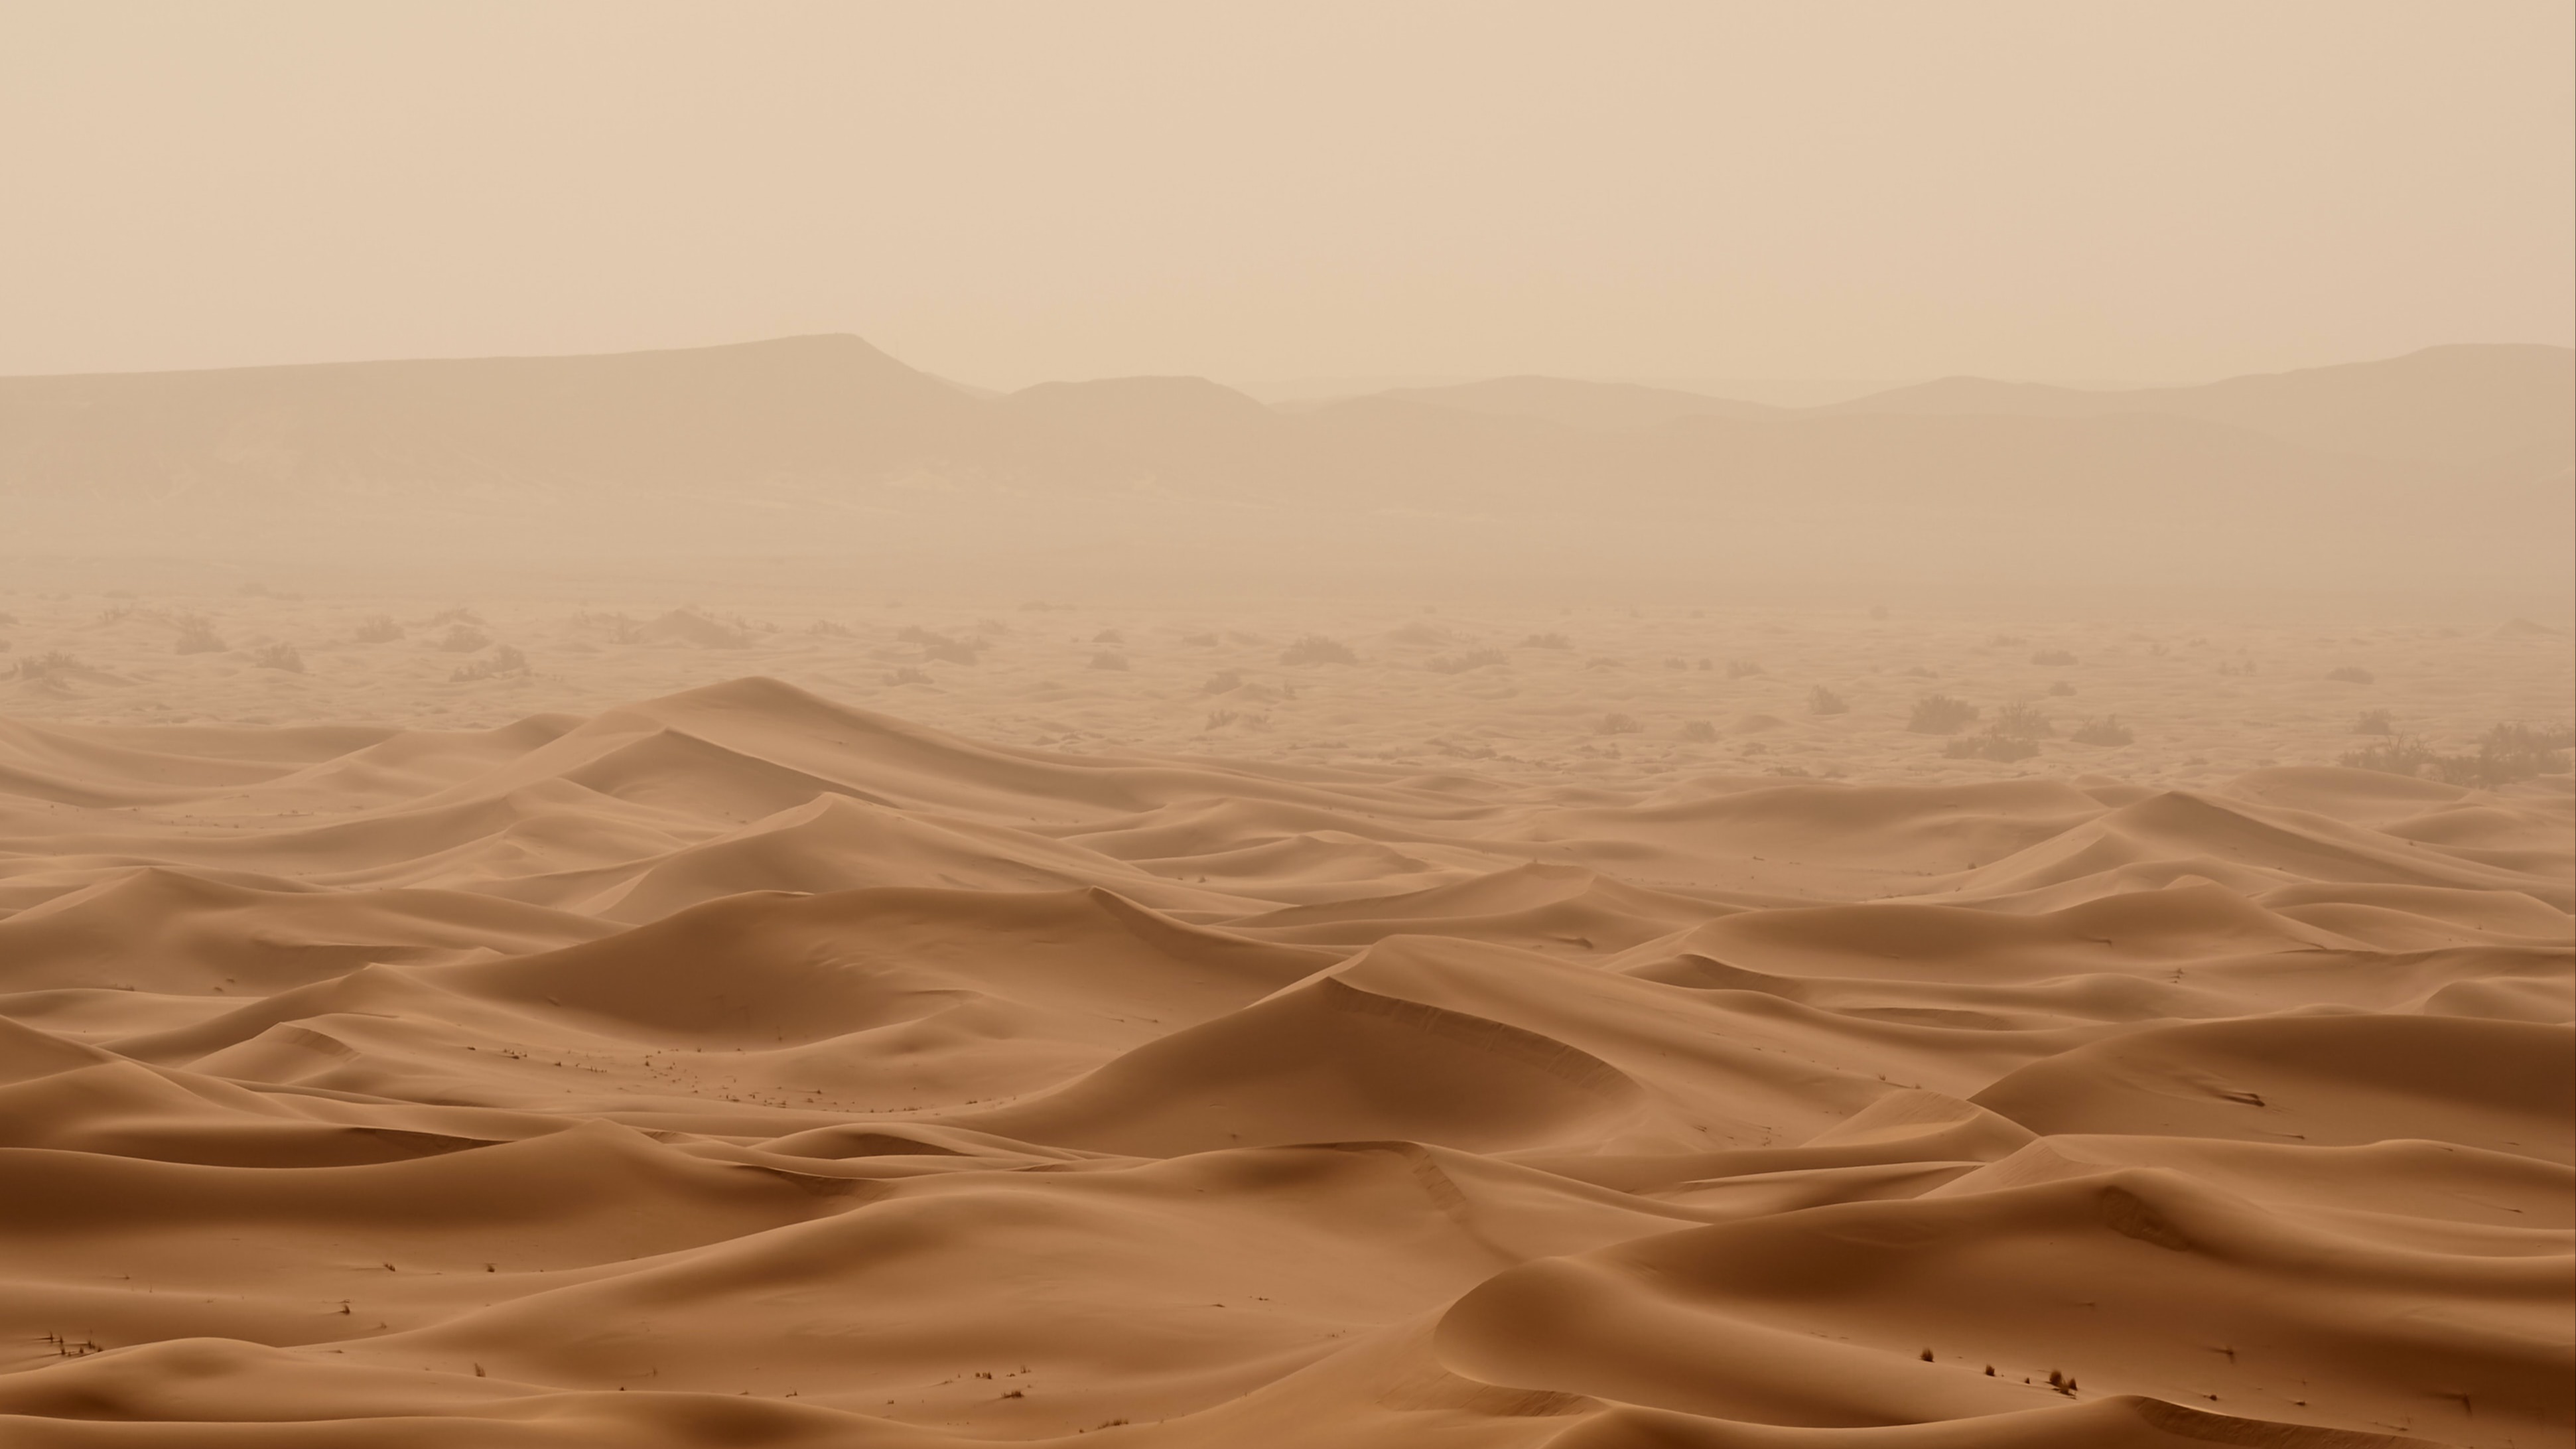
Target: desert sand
{"points": [[876, 1022]]}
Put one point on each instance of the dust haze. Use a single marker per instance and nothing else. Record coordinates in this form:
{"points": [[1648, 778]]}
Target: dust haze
{"points": [[1474, 725]]}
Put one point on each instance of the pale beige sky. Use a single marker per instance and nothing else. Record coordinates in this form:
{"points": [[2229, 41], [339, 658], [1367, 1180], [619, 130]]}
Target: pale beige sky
{"points": [[1007, 193]]}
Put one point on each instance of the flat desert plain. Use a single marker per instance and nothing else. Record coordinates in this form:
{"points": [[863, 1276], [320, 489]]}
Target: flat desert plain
{"points": [[520, 1021]]}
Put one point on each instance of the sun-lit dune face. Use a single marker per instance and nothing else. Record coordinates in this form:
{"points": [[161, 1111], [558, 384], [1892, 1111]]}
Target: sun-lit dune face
{"points": [[738, 1066]]}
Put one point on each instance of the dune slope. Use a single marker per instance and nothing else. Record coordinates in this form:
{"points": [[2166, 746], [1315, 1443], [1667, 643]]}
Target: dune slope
{"points": [[739, 1068]]}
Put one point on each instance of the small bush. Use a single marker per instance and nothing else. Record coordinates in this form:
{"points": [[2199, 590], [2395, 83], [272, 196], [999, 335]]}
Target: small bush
{"points": [[2021, 721], [463, 639], [196, 636], [1547, 641], [2373, 722], [378, 629], [2006, 641], [827, 629], [1821, 700], [1675, 661], [278, 656], [1222, 682], [907, 675], [1742, 669], [2060, 688], [2348, 674], [1940, 714], [504, 661], [1199, 641], [2053, 658], [1108, 659], [2106, 730], [1461, 663], [1219, 718], [1619, 724], [1988, 745], [950, 651], [1108, 636], [51, 664], [1699, 732], [1316, 649]]}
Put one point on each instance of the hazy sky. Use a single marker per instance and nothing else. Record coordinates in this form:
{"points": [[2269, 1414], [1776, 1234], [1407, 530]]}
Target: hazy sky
{"points": [[1012, 192]]}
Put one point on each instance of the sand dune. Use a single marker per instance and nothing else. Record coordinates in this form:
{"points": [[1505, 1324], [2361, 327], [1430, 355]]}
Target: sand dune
{"points": [[737, 1067]]}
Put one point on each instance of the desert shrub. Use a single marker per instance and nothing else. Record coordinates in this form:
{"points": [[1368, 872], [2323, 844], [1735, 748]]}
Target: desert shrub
{"points": [[1675, 661], [455, 616], [1821, 700], [1699, 731], [1222, 682], [1108, 659], [1199, 641], [2373, 722], [1219, 718], [2053, 658], [504, 661], [115, 614], [1619, 724], [907, 675], [1988, 745], [196, 636], [51, 664], [7, 618], [2348, 674], [1940, 714], [2021, 720], [1417, 632], [828, 629], [2235, 666], [1742, 669], [2006, 641], [463, 639], [278, 656], [1547, 641], [950, 651], [1109, 636], [1707, 664], [378, 629], [2105, 730], [1316, 649], [2505, 754], [1602, 661], [1461, 663], [2060, 688]]}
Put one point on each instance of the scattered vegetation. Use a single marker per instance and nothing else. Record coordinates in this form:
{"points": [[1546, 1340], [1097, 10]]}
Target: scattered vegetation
{"points": [[2350, 674], [907, 675], [278, 656], [1109, 659], [1675, 661], [1699, 732], [2006, 641], [2235, 666], [503, 661], [1547, 641], [2060, 688], [1619, 724], [51, 664], [1461, 663], [196, 636], [378, 629], [2373, 722], [463, 639], [2105, 730], [1224, 681], [2053, 658], [1742, 669], [1316, 649], [2505, 754], [1940, 714], [1821, 700], [1105, 636], [828, 629]]}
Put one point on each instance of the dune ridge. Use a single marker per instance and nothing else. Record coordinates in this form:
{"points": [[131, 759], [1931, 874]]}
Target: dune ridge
{"points": [[737, 1067]]}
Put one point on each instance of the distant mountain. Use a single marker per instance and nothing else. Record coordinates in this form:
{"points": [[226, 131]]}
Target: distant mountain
{"points": [[2449, 464], [2463, 404], [1579, 404]]}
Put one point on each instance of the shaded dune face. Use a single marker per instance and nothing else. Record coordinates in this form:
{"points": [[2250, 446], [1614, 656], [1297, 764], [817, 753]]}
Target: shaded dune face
{"points": [[736, 1068]]}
